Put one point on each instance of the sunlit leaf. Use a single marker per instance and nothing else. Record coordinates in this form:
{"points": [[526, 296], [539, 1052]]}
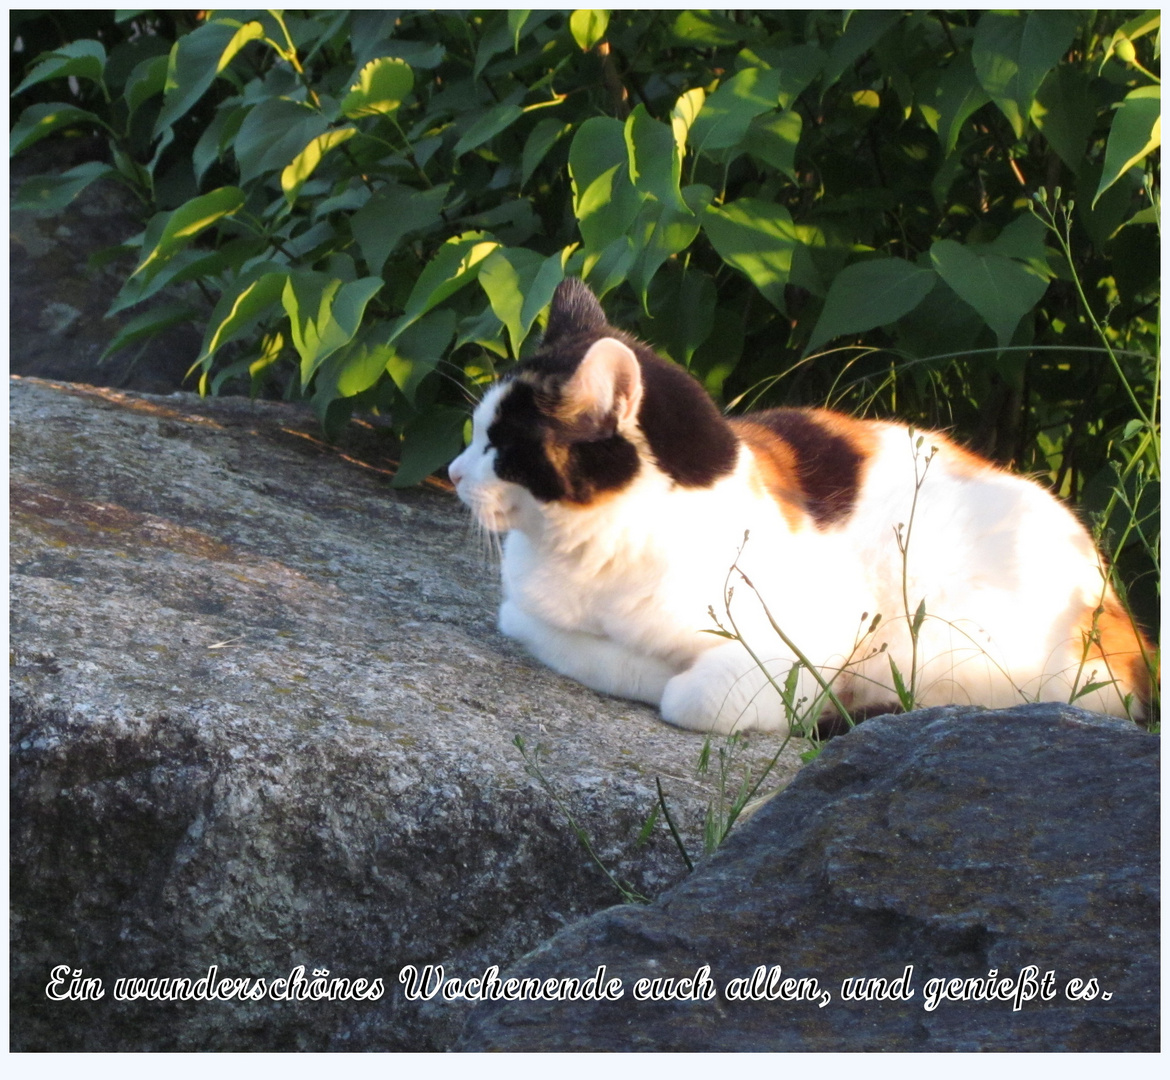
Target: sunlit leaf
{"points": [[1135, 133], [240, 308], [507, 275], [324, 313], [293, 178], [588, 27], [455, 264], [193, 67], [187, 222], [758, 239], [381, 88]]}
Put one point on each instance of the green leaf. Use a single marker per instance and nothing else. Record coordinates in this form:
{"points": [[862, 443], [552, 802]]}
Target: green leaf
{"points": [[151, 322], [1013, 53], [547, 133], [216, 137], [37, 121], [274, 133], [1023, 239], [494, 41], [654, 160], [905, 698], [1000, 289], [727, 113], [516, 21], [305, 163], [381, 87], [240, 308], [685, 321], [193, 66], [868, 294], [507, 275], [610, 267], [408, 360], [392, 212], [758, 239], [456, 263], [705, 29], [773, 138], [417, 350], [325, 314], [588, 27], [1136, 131], [429, 442], [540, 293], [605, 201], [659, 231], [250, 31], [147, 79], [1065, 112], [82, 59], [798, 66], [1136, 27], [187, 222], [683, 115], [862, 32], [51, 193], [959, 94], [489, 125]]}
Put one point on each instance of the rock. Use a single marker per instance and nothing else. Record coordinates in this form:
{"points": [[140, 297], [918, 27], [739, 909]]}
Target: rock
{"points": [[261, 718], [58, 299], [957, 843]]}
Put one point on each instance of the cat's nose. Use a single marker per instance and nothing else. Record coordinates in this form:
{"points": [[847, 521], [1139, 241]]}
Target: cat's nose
{"points": [[455, 471]]}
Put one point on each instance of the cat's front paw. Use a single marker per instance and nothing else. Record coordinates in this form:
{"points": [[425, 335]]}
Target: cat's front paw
{"points": [[719, 694]]}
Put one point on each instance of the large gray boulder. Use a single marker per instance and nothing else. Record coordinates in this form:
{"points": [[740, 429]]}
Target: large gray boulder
{"points": [[965, 845], [261, 718]]}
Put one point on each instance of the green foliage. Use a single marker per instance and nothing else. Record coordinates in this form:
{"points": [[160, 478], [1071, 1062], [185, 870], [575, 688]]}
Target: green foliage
{"points": [[350, 189]]}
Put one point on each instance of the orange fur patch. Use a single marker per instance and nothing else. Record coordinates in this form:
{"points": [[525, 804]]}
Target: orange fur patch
{"points": [[1123, 649], [775, 471]]}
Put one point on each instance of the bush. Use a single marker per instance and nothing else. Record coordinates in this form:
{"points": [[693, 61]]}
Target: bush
{"points": [[948, 216]]}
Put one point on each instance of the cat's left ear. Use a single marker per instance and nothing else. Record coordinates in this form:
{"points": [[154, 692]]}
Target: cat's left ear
{"points": [[606, 389]]}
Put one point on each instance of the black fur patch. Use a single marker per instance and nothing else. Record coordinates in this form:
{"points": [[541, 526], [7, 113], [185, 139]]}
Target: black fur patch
{"points": [[518, 434], [828, 465], [523, 433], [688, 436], [574, 310]]}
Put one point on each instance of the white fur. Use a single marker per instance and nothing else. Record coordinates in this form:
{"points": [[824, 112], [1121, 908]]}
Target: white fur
{"points": [[618, 595]]}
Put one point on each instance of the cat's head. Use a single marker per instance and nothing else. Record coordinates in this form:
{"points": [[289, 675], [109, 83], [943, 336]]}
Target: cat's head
{"points": [[580, 419]]}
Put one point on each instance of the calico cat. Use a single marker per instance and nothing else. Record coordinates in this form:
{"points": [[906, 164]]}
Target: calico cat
{"points": [[639, 519]]}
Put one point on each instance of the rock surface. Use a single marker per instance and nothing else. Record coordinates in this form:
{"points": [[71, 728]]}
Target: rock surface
{"points": [[262, 718], [956, 841]]}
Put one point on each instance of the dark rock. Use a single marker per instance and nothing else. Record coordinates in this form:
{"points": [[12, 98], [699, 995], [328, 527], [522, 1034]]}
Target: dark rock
{"points": [[261, 718], [955, 841], [58, 298]]}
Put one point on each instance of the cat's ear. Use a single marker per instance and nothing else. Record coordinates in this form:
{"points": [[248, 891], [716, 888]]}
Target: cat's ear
{"points": [[605, 392], [574, 310]]}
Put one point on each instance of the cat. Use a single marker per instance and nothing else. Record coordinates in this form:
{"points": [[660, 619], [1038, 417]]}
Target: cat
{"points": [[659, 551]]}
